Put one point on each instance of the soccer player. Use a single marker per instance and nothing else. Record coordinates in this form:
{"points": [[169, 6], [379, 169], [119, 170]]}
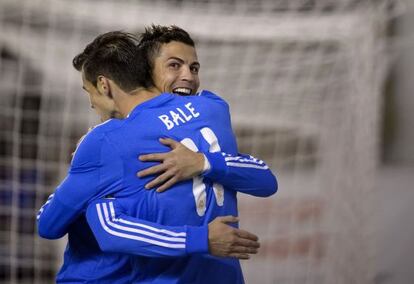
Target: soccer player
{"points": [[65, 206], [174, 68]]}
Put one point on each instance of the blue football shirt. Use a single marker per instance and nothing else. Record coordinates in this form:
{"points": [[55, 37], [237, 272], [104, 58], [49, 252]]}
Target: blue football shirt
{"points": [[172, 224]]}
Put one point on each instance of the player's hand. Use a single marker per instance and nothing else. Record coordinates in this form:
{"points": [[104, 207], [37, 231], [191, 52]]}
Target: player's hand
{"points": [[179, 164], [227, 241]]}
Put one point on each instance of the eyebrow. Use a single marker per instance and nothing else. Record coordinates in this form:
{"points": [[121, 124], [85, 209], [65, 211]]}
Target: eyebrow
{"points": [[83, 87], [182, 61]]}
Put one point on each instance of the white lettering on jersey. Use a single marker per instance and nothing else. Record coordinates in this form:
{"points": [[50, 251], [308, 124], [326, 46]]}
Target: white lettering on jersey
{"points": [[182, 115], [187, 117], [176, 117], [168, 123], [192, 110]]}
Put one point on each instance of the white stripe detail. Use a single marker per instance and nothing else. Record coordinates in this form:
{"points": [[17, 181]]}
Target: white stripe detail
{"points": [[199, 188], [212, 140], [240, 165], [200, 93], [49, 199], [138, 231], [242, 159], [219, 193], [120, 220], [39, 213], [133, 237]]}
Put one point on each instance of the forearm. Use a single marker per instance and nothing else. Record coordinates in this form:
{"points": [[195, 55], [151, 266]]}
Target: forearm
{"points": [[242, 173], [69, 200], [116, 232], [54, 218], [90, 176]]}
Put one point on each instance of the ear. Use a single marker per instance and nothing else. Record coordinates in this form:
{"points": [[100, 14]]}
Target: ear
{"points": [[103, 85]]}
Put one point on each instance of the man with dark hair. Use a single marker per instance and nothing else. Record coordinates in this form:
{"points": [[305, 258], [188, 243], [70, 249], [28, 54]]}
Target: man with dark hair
{"points": [[170, 51], [103, 166], [102, 59], [174, 68]]}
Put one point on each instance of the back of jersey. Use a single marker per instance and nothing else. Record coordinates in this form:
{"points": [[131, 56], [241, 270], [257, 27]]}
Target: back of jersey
{"points": [[202, 123]]}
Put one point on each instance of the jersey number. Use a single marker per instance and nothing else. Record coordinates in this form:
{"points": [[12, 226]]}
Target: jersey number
{"points": [[199, 187]]}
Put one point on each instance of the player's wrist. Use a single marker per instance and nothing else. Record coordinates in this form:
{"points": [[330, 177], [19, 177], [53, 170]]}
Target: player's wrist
{"points": [[197, 239], [218, 168]]}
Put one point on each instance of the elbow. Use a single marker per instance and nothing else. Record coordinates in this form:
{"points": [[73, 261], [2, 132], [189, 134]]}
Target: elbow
{"points": [[108, 244], [275, 185], [105, 247], [272, 187], [48, 233], [269, 192], [274, 190]]}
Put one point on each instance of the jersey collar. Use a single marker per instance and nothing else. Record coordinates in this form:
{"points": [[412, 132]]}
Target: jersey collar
{"points": [[154, 102]]}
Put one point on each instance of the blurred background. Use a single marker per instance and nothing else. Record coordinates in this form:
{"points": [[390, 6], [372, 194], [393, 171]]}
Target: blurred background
{"points": [[319, 89]]}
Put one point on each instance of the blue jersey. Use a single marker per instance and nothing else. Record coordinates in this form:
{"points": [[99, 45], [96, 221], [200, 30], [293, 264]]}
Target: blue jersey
{"points": [[173, 223]]}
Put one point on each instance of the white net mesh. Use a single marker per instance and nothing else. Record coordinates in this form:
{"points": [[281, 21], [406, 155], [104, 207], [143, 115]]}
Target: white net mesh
{"points": [[304, 82]]}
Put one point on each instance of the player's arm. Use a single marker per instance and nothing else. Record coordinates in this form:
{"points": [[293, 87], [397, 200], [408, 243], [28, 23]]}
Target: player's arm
{"points": [[117, 232], [242, 173], [72, 196]]}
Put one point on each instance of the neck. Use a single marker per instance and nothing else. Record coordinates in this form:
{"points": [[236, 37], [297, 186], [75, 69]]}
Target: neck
{"points": [[136, 97]]}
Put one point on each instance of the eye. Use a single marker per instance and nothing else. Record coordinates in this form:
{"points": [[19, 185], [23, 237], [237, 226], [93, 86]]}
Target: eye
{"points": [[195, 69], [174, 65]]}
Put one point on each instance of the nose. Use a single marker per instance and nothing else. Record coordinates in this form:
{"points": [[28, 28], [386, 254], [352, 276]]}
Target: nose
{"points": [[186, 74]]}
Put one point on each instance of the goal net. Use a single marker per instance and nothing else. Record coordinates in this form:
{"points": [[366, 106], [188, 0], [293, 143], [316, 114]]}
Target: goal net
{"points": [[304, 81]]}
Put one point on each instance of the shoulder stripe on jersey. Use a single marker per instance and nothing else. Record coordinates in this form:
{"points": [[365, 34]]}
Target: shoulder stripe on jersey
{"points": [[240, 165], [170, 233], [106, 223], [49, 199]]}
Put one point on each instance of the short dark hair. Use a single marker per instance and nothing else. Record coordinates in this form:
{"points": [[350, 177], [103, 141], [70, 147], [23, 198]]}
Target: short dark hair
{"points": [[154, 36], [115, 55]]}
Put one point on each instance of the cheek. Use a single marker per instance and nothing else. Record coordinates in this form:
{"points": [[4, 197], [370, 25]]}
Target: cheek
{"points": [[92, 101], [170, 78], [96, 103], [105, 105], [197, 81], [90, 97], [165, 80], [158, 75], [111, 105], [157, 80]]}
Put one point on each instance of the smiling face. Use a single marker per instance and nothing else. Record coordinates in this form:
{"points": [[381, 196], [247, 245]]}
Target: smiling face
{"points": [[176, 69]]}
